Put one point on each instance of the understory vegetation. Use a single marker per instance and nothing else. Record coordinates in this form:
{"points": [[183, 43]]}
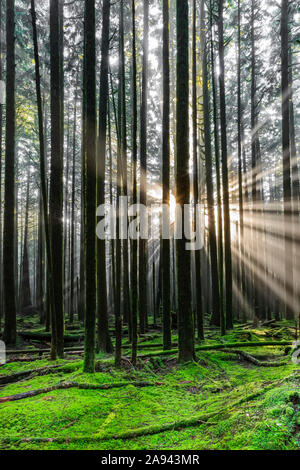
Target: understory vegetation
{"points": [[221, 400]]}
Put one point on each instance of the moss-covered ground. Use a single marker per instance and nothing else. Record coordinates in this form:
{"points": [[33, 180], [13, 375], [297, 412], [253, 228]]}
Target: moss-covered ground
{"points": [[220, 401]]}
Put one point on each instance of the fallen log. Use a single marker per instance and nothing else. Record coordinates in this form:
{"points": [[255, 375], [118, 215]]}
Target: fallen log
{"points": [[253, 359], [147, 346], [43, 336], [12, 378], [39, 351], [67, 385], [33, 359], [42, 351], [268, 322], [212, 347], [243, 325]]}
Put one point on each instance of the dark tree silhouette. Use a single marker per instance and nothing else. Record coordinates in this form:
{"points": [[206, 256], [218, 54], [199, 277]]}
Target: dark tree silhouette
{"points": [[9, 283], [185, 318], [90, 202], [166, 178]]}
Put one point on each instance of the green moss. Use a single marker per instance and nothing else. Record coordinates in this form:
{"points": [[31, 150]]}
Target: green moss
{"points": [[250, 407]]}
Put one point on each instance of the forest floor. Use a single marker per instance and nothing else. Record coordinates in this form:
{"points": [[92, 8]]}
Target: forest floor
{"points": [[220, 401]]}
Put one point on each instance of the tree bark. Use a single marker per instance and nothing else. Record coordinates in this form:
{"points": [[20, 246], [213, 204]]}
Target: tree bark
{"points": [[25, 294], [209, 181], [240, 171], [185, 318], [134, 286], [72, 247], [166, 178], [1, 205], [104, 341], [43, 182], [123, 136], [90, 192], [198, 286], [221, 320], [286, 162], [226, 207], [56, 179], [143, 268], [9, 278]]}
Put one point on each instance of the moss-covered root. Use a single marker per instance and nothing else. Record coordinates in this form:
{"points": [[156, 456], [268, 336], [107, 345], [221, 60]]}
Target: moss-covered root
{"points": [[63, 386], [131, 434], [253, 359]]}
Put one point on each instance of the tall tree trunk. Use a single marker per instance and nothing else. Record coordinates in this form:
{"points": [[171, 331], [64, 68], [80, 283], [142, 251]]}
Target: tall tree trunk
{"points": [[118, 119], [185, 317], [286, 161], [9, 284], [66, 212], [81, 303], [199, 313], [295, 183], [56, 179], [72, 220], [90, 201], [226, 208], [295, 169], [255, 170], [240, 171], [143, 268], [167, 342], [123, 136], [221, 320], [44, 189], [17, 264], [40, 262], [61, 70], [104, 341], [112, 242], [134, 286], [1, 205], [209, 180], [25, 294]]}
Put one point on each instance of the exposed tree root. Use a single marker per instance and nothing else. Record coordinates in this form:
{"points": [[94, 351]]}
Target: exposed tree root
{"points": [[253, 360], [63, 386], [131, 434]]}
